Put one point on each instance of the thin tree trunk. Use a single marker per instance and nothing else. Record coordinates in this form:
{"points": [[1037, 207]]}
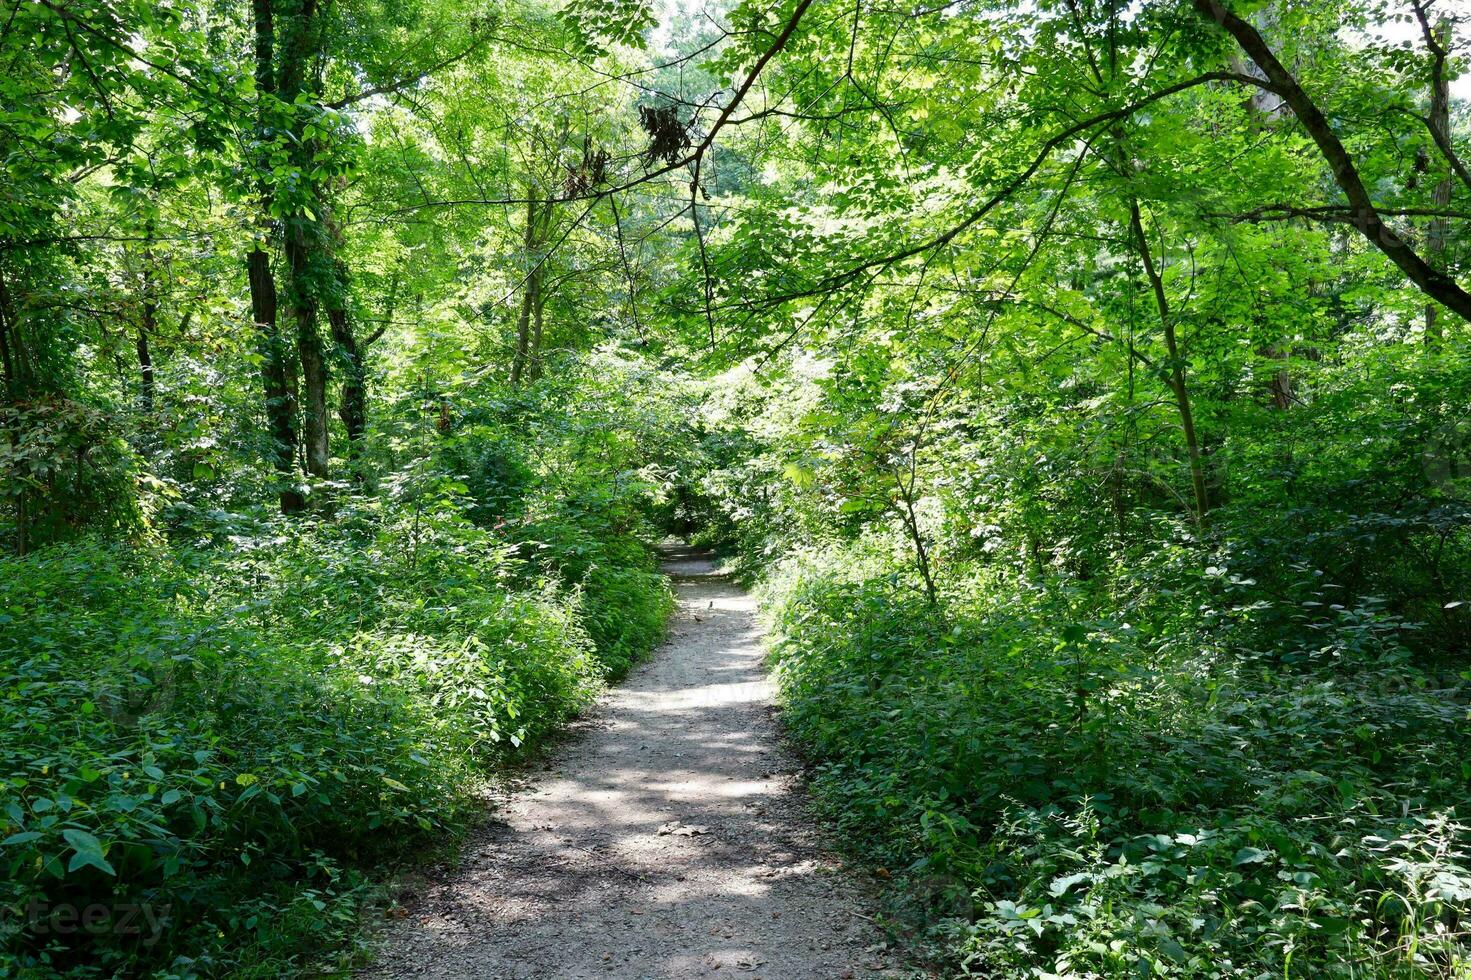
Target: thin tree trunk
{"points": [[7, 358], [538, 304], [523, 339], [12, 396], [145, 368], [1280, 387], [1440, 125], [910, 517], [538, 295], [1177, 367], [353, 408], [147, 325], [522, 354]]}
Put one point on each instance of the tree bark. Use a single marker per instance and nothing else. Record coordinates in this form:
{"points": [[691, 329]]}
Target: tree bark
{"points": [[538, 305], [145, 369], [910, 519], [1280, 387], [309, 348], [276, 379], [1365, 217], [12, 395], [306, 248], [7, 357], [522, 354], [280, 394]]}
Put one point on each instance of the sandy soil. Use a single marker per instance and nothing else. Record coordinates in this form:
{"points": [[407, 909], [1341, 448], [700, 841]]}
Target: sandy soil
{"points": [[668, 838]]}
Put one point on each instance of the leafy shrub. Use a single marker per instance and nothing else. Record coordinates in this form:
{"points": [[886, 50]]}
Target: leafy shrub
{"points": [[230, 738], [625, 611], [1136, 793], [64, 469]]}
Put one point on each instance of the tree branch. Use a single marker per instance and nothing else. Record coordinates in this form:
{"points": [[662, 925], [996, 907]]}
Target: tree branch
{"points": [[1364, 216]]}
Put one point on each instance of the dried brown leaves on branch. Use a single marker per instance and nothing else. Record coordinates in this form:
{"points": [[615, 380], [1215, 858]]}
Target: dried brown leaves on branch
{"points": [[669, 136], [590, 172]]}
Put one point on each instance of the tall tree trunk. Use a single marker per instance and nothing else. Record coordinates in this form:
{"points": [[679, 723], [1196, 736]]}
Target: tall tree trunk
{"points": [[276, 381], [12, 396], [353, 408], [538, 306], [309, 347], [538, 292], [306, 246], [1177, 366], [910, 517], [276, 378], [145, 368], [1280, 386], [7, 355], [522, 354], [147, 324], [1440, 124]]}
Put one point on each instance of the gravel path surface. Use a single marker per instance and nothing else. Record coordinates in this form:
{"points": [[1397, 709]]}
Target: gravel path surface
{"points": [[667, 839]]}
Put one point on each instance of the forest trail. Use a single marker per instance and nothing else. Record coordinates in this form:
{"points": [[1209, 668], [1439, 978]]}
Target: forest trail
{"points": [[667, 839]]}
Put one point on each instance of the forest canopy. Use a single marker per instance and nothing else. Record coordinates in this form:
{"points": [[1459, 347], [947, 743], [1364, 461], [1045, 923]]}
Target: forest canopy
{"points": [[1082, 385]]}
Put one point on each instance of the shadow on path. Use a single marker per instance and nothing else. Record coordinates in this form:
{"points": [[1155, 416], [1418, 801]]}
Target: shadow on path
{"points": [[668, 840]]}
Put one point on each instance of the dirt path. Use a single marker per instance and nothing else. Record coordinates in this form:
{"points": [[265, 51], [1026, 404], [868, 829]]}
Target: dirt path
{"points": [[668, 839]]}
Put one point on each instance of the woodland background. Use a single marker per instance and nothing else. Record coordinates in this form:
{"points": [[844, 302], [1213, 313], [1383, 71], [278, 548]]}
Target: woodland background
{"points": [[1083, 385]]}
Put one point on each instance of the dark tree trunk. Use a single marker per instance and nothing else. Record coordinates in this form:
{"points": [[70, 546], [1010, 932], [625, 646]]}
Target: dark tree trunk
{"points": [[353, 409], [147, 324], [350, 353], [280, 395], [538, 306], [307, 249], [314, 395], [309, 348], [276, 378], [7, 357], [12, 395], [1440, 128], [522, 353], [145, 369]]}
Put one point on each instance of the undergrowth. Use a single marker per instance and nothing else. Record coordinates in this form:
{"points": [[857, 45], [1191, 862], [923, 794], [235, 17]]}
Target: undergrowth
{"points": [[217, 749], [1064, 791]]}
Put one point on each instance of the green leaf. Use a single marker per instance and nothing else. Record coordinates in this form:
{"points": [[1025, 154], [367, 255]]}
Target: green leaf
{"points": [[88, 852], [1249, 855]]}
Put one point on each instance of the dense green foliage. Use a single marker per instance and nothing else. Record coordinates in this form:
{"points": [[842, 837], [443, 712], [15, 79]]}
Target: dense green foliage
{"points": [[1103, 468], [1118, 744], [217, 737], [1083, 383]]}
